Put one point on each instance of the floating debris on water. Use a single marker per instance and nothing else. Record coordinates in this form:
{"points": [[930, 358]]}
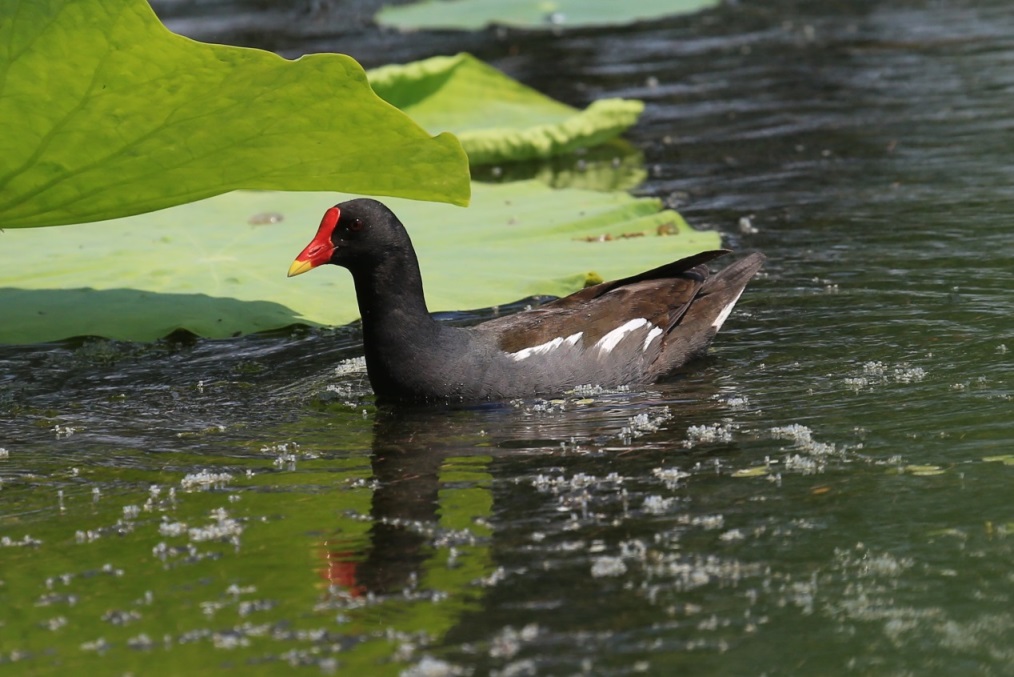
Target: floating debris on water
{"points": [[596, 390], [608, 566], [805, 465], [506, 643], [205, 480], [657, 505], [709, 434], [1006, 459], [121, 617], [708, 522], [732, 535], [644, 423], [578, 481], [756, 471], [671, 476], [682, 573], [86, 536], [222, 528], [99, 645], [171, 529], [433, 667], [802, 437], [877, 373], [63, 431], [736, 401], [354, 365], [26, 540], [923, 470]]}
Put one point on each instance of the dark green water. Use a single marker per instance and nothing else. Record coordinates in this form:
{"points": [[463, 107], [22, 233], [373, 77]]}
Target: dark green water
{"points": [[830, 492]]}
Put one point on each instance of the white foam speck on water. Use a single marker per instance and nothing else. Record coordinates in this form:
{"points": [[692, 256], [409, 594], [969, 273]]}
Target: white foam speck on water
{"points": [[708, 522], [876, 373], [671, 476], [24, 541], [433, 667], [709, 434], [732, 535], [222, 527], [205, 480], [171, 529], [86, 536], [909, 374], [802, 437], [804, 465], [55, 623], [592, 390], [682, 572], [99, 645], [63, 431], [508, 642], [737, 401], [657, 505], [354, 365], [644, 424], [608, 566], [578, 481], [810, 456]]}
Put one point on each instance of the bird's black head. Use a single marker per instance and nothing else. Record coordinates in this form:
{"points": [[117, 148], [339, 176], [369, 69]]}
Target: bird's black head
{"points": [[354, 234]]}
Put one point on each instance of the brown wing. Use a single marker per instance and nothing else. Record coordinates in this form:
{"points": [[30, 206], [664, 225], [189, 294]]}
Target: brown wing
{"points": [[661, 295]]}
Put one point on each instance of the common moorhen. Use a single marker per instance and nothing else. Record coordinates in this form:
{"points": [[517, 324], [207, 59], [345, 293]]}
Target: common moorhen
{"points": [[629, 331]]}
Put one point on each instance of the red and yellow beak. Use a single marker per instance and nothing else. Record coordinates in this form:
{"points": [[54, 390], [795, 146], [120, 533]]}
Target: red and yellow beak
{"points": [[320, 249]]}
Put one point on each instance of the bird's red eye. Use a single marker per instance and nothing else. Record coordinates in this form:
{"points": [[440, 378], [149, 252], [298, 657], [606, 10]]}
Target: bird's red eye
{"points": [[355, 225]]}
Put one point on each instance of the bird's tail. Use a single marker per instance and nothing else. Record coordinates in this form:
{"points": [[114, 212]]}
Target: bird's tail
{"points": [[706, 314]]}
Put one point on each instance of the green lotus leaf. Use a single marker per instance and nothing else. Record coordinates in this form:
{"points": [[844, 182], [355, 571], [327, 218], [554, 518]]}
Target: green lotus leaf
{"points": [[475, 14], [612, 166], [496, 118], [107, 113], [217, 267]]}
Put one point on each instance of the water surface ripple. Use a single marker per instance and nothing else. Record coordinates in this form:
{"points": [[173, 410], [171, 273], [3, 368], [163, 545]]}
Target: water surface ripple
{"points": [[827, 493]]}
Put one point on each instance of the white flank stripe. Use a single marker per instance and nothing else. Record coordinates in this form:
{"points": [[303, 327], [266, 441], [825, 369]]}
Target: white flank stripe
{"points": [[652, 335], [610, 340], [724, 315], [546, 347]]}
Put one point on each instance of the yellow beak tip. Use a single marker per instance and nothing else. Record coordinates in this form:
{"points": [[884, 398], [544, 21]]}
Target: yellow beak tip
{"points": [[299, 267]]}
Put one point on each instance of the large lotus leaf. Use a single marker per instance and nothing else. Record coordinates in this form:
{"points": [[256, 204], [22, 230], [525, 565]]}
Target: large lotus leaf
{"points": [[474, 14], [105, 113], [615, 165], [496, 118], [217, 267]]}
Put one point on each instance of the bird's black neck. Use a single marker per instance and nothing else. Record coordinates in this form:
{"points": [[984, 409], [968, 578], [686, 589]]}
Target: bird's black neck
{"points": [[396, 322], [391, 289]]}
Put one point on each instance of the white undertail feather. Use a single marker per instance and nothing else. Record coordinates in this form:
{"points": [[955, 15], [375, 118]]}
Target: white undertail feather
{"points": [[546, 347], [724, 315], [613, 338], [652, 335]]}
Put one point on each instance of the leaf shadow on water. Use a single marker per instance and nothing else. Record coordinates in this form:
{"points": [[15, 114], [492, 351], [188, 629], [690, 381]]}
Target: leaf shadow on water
{"points": [[131, 314]]}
